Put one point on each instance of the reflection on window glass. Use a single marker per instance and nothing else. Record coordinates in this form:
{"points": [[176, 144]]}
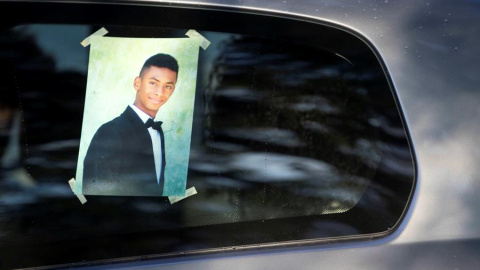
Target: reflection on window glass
{"points": [[286, 133], [290, 141]]}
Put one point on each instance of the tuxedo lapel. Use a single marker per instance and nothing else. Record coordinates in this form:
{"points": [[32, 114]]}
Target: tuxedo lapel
{"points": [[143, 143], [164, 162], [137, 125]]}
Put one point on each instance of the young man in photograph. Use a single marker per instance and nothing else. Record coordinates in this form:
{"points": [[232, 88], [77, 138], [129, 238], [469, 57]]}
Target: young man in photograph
{"points": [[126, 156]]}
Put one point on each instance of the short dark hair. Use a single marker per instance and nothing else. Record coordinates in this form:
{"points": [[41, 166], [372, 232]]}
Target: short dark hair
{"points": [[161, 60]]}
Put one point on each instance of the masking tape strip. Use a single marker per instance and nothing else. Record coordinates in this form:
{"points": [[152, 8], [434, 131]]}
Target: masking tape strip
{"points": [[82, 198], [101, 32], [201, 40], [189, 192]]}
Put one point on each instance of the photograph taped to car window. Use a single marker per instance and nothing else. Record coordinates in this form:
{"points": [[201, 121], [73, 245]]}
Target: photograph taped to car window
{"points": [[294, 137], [131, 82]]}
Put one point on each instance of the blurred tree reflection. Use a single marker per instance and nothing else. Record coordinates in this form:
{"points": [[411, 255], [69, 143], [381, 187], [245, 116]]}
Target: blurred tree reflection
{"points": [[288, 132]]}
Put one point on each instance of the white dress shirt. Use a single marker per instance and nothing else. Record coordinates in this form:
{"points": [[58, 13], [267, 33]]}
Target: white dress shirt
{"points": [[156, 141]]}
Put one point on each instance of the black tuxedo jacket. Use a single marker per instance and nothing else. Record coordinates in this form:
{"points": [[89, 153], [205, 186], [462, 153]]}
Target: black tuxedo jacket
{"points": [[120, 161]]}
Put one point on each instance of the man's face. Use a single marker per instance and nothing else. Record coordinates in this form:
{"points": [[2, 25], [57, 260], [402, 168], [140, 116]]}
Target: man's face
{"points": [[154, 87]]}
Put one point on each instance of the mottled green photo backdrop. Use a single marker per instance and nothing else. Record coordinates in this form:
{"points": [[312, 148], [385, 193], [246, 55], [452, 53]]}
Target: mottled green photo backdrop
{"points": [[113, 65]]}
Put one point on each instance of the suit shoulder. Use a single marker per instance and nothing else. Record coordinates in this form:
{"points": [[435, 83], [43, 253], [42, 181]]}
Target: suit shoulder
{"points": [[116, 122], [111, 127]]}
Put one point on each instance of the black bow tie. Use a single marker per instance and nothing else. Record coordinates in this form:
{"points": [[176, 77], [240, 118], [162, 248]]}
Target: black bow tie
{"points": [[157, 125]]}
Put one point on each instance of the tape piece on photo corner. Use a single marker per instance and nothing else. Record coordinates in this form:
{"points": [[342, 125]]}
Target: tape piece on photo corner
{"points": [[101, 32], [201, 40], [189, 192], [82, 198]]}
